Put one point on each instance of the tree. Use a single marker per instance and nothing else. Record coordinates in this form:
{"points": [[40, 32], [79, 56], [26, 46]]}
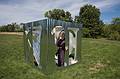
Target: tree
{"points": [[116, 21], [59, 14], [89, 16], [112, 31]]}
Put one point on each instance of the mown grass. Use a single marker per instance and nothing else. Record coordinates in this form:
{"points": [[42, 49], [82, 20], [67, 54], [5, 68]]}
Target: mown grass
{"points": [[100, 60], [12, 64]]}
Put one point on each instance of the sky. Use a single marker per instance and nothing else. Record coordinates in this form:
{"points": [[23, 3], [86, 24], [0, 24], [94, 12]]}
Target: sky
{"points": [[22, 11]]}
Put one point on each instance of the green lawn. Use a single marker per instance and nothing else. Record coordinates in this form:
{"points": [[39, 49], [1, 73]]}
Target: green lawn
{"points": [[100, 60]]}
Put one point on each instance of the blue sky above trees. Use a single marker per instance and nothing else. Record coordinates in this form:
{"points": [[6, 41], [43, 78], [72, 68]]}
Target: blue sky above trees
{"points": [[30, 10]]}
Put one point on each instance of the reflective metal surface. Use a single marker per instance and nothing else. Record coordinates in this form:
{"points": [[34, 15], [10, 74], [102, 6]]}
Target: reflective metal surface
{"points": [[51, 44]]}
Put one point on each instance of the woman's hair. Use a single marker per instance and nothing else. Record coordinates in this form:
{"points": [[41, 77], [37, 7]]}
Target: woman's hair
{"points": [[62, 34]]}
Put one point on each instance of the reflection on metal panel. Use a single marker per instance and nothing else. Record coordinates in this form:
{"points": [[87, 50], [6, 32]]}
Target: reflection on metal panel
{"points": [[36, 33]]}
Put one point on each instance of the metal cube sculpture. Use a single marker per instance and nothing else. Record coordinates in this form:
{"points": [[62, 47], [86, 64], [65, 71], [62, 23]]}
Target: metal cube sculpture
{"points": [[52, 44]]}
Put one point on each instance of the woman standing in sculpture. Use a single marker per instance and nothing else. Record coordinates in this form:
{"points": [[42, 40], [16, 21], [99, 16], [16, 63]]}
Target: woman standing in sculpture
{"points": [[61, 48]]}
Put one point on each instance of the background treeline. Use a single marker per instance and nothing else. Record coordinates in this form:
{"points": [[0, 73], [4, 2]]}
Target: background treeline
{"points": [[13, 27], [89, 16], [93, 26], [112, 31]]}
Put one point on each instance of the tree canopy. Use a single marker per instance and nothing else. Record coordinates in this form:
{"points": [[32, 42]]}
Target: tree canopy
{"points": [[116, 21], [89, 16], [59, 14]]}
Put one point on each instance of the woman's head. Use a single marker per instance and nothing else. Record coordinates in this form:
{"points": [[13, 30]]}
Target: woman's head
{"points": [[62, 35]]}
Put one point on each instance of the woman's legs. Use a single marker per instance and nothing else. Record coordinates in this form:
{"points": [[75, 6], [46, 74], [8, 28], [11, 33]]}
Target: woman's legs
{"points": [[61, 58]]}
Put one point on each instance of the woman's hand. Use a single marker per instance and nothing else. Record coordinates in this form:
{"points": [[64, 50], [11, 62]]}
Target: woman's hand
{"points": [[66, 48]]}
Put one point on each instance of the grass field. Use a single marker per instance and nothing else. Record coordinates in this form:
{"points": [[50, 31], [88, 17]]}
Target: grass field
{"points": [[100, 60]]}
